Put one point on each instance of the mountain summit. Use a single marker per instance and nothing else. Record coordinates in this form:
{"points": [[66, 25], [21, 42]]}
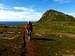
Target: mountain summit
{"points": [[53, 15]]}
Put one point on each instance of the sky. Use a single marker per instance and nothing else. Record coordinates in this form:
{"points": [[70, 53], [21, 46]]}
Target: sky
{"points": [[32, 10]]}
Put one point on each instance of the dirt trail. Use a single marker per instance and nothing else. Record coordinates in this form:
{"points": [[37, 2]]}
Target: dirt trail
{"points": [[30, 49]]}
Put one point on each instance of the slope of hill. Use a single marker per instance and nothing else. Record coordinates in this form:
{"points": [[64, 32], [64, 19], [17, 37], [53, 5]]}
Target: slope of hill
{"points": [[53, 21], [59, 27], [53, 15]]}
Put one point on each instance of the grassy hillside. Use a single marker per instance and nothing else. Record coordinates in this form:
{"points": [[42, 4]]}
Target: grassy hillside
{"points": [[59, 27], [54, 21], [53, 15]]}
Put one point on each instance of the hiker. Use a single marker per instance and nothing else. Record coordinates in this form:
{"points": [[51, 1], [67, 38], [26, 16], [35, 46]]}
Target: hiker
{"points": [[29, 28]]}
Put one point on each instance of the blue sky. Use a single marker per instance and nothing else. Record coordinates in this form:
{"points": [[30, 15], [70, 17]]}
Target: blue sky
{"points": [[32, 10]]}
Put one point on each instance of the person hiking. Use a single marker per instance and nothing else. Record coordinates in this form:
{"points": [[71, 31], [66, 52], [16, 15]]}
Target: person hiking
{"points": [[29, 28]]}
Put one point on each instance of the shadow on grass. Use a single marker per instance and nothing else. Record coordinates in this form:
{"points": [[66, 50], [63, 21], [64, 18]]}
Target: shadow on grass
{"points": [[43, 39]]}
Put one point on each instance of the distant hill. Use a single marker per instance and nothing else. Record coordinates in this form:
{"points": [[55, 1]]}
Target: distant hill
{"points": [[53, 15], [55, 21], [57, 26]]}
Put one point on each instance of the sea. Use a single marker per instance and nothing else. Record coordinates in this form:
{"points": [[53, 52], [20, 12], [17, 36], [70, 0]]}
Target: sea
{"points": [[12, 23]]}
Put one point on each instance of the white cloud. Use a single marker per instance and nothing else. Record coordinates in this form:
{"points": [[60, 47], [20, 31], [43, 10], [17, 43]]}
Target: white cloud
{"points": [[62, 1], [20, 8], [70, 13], [18, 14]]}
